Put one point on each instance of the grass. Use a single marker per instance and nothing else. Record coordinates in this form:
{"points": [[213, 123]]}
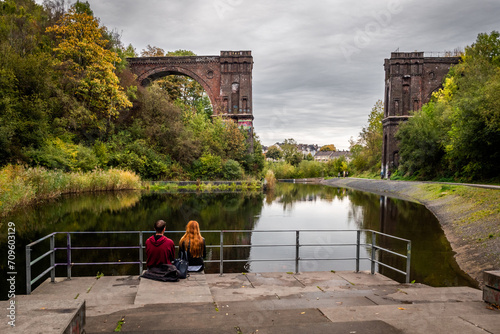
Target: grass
{"points": [[22, 186], [120, 324], [251, 185]]}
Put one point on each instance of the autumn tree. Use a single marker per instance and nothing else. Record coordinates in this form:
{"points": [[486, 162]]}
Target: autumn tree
{"points": [[327, 148], [88, 67]]}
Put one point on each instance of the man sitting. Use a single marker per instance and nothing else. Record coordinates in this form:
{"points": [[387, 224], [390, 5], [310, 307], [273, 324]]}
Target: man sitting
{"points": [[159, 248]]}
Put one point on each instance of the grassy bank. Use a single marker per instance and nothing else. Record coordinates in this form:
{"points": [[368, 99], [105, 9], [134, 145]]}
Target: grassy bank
{"points": [[206, 186], [477, 209], [20, 186]]}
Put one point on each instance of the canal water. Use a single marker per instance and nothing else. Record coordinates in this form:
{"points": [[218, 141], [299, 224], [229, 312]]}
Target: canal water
{"points": [[287, 208]]}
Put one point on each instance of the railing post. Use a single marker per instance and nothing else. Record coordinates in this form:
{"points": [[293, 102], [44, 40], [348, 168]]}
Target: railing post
{"points": [[68, 255], [358, 242], [52, 259], [373, 253], [28, 270], [297, 241], [221, 265], [408, 259], [141, 253]]}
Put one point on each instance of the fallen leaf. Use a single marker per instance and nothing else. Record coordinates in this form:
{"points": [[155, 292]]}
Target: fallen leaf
{"points": [[401, 308], [302, 312]]}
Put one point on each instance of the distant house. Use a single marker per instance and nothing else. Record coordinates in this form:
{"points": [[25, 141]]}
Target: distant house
{"points": [[325, 156], [308, 148]]}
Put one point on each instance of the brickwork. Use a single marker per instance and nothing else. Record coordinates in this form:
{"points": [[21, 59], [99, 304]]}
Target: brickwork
{"points": [[410, 80], [227, 79]]}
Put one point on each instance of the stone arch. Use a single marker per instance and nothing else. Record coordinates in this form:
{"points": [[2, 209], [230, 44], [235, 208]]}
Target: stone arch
{"points": [[428, 97], [156, 73], [215, 74]]}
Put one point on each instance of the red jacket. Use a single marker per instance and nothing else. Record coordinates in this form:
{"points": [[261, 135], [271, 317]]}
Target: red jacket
{"points": [[159, 251]]}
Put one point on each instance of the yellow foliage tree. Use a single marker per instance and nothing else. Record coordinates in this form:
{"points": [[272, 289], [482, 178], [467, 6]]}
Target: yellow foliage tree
{"points": [[330, 147], [81, 51]]}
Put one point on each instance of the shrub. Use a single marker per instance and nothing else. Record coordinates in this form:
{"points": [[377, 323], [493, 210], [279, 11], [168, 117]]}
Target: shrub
{"points": [[232, 170], [270, 179], [207, 167], [22, 186]]}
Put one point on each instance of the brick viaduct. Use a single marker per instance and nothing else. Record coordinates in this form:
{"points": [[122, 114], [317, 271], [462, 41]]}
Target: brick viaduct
{"points": [[410, 80], [227, 79]]}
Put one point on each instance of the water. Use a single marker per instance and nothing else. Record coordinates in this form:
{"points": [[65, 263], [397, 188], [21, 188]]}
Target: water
{"points": [[288, 207]]}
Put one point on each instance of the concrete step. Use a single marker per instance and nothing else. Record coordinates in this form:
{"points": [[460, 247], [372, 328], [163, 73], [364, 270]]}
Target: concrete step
{"points": [[325, 302], [423, 318], [372, 327], [204, 316]]}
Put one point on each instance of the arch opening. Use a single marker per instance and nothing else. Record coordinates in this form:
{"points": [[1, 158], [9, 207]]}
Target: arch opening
{"points": [[182, 86]]}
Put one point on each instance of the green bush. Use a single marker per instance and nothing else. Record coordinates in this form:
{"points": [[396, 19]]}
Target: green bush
{"points": [[309, 169], [207, 167], [59, 154], [283, 170], [232, 170]]}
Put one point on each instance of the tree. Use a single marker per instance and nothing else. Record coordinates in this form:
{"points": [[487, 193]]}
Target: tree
{"points": [[367, 149], [152, 51], [88, 67], [422, 141], [328, 148], [274, 153], [472, 150], [291, 152], [458, 133]]}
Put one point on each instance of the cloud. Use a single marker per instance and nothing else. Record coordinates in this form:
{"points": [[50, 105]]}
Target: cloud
{"points": [[318, 66]]}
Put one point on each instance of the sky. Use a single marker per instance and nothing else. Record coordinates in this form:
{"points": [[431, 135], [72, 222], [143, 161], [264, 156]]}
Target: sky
{"points": [[318, 65]]}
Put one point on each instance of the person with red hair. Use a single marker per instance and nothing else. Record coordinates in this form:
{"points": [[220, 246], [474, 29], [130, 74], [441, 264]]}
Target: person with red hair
{"points": [[194, 244]]}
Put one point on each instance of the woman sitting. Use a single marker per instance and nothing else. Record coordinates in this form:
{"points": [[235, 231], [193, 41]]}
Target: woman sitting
{"points": [[194, 244]]}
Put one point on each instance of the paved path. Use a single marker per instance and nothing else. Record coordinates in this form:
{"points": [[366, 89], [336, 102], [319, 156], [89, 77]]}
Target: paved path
{"points": [[312, 302], [394, 187]]}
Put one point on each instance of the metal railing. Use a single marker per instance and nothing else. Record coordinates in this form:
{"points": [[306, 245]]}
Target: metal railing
{"points": [[372, 246]]}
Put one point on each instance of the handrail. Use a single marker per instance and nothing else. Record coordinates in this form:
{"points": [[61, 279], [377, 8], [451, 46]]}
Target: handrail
{"points": [[373, 246]]}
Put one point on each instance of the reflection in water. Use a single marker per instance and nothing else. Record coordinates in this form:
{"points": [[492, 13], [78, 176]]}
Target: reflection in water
{"points": [[309, 207], [288, 207]]}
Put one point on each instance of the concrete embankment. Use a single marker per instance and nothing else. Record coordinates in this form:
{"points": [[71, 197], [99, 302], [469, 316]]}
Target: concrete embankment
{"points": [[308, 302], [468, 214]]}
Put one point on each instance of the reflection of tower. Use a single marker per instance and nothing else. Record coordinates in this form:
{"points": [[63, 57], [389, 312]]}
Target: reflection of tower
{"points": [[388, 225]]}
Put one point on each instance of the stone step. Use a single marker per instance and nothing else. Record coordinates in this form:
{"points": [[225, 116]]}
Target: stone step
{"points": [[372, 327], [423, 318], [491, 290], [176, 318]]}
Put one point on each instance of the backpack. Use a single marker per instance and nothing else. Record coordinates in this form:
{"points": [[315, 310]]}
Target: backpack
{"points": [[182, 264], [163, 273]]}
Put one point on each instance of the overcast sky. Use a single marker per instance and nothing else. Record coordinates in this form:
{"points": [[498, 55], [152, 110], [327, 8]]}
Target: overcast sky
{"points": [[318, 65]]}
